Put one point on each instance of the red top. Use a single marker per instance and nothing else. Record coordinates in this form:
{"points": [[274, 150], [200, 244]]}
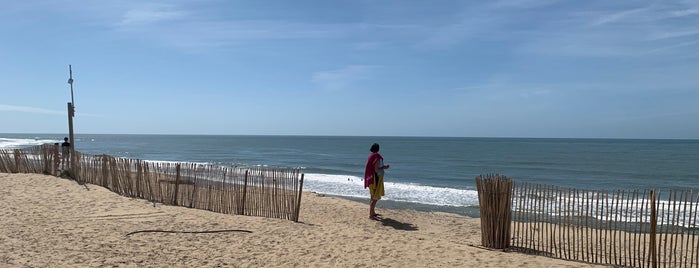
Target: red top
{"points": [[371, 167]]}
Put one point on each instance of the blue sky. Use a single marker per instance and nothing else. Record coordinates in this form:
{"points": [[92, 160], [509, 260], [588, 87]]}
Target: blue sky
{"points": [[528, 68]]}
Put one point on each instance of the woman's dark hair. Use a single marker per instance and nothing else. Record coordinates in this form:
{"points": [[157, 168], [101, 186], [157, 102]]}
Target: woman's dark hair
{"points": [[374, 148]]}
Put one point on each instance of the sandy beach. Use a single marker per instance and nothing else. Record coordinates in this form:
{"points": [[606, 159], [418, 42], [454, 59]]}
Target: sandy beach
{"points": [[53, 222]]}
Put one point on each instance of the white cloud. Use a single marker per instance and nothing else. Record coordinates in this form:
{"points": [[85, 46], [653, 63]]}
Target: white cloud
{"points": [[501, 88], [27, 109], [150, 14], [618, 16], [35, 110], [199, 32], [584, 43], [449, 35], [683, 13], [341, 79], [675, 34], [674, 47]]}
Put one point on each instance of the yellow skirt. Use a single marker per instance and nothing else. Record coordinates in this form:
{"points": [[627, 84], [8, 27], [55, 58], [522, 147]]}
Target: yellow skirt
{"points": [[376, 188]]}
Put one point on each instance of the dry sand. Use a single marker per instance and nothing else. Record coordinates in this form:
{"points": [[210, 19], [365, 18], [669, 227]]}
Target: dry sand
{"points": [[51, 222]]}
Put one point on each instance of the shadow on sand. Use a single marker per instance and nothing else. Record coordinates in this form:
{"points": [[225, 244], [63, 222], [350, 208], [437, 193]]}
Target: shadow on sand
{"points": [[397, 225]]}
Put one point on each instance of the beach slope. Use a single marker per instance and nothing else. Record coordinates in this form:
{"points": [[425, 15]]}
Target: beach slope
{"points": [[53, 222]]}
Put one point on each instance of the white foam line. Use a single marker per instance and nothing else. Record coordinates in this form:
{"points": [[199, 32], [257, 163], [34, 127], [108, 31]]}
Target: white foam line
{"points": [[353, 186], [9, 143]]}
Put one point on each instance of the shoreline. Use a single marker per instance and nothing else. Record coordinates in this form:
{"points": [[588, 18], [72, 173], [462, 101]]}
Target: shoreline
{"points": [[51, 221], [469, 211]]}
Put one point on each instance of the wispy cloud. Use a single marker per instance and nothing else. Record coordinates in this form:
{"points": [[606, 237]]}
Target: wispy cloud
{"points": [[452, 34], [36, 110], [195, 34], [674, 46], [475, 23], [28, 109], [618, 16], [499, 88], [151, 14], [341, 79], [675, 34], [684, 13], [583, 43], [523, 3], [615, 32]]}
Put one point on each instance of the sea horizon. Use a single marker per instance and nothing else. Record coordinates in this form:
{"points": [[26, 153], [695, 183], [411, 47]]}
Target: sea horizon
{"points": [[349, 136]]}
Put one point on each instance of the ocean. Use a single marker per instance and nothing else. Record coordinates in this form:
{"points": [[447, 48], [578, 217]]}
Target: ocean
{"points": [[427, 173]]}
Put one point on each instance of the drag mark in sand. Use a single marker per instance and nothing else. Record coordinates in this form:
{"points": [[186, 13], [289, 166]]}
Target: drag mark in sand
{"points": [[126, 216], [189, 232]]}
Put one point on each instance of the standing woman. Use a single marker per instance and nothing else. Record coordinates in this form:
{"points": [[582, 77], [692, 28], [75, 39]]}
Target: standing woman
{"points": [[373, 178]]}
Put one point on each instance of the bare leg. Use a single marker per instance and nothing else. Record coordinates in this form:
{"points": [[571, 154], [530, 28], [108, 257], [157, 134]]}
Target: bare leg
{"points": [[372, 205]]}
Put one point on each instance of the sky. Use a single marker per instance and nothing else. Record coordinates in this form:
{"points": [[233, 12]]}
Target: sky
{"points": [[526, 68]]}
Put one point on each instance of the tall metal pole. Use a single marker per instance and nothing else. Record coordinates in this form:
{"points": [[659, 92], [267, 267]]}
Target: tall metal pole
{"points": [[70, 81], [71, 114]]}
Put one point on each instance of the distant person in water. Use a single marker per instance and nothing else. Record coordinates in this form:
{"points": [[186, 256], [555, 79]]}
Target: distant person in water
{"points": [[373, 178], [65, 152]]}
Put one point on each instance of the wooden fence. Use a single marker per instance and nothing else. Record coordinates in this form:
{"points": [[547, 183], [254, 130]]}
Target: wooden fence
{"points": [[37, 159], [274, 193], [638, 228], [494, 195]]}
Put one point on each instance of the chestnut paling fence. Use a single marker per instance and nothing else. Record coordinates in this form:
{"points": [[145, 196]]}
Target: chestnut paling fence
{"points": [[631, 228], [265, 192]]}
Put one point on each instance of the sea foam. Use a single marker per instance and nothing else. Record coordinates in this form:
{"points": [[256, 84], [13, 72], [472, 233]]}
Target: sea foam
{"points": [[7, 143], [353, 186]]}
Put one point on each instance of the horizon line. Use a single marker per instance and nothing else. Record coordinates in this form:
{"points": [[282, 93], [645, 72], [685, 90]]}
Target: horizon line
{"points": [[357, 136]]}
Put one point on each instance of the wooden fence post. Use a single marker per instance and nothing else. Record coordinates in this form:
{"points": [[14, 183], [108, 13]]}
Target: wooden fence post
{"points": [[45, 160], [298, 203], [653, 227], [177, 183], [241, 211], [17, 160]]}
